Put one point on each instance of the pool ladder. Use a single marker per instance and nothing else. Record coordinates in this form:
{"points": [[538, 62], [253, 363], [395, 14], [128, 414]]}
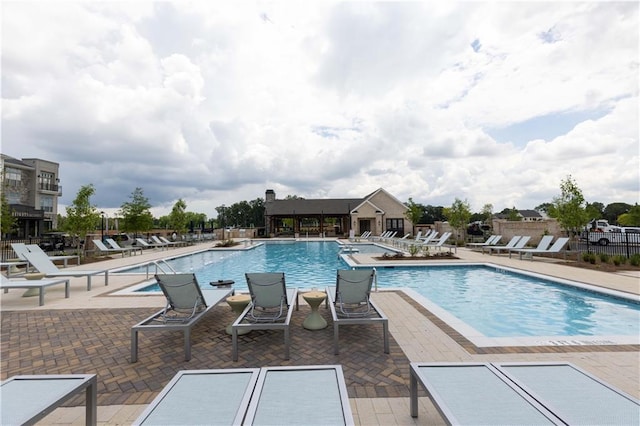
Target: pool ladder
{"points": [[158, 267]]}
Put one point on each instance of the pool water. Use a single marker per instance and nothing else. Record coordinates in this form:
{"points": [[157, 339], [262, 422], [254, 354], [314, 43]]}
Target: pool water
{"points": [[495, 302]]}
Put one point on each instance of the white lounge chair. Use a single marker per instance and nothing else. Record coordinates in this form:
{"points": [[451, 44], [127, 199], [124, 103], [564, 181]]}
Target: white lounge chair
{"points": [[145, 245], [510, 244], [114, 244], [42, 263], [492, 240], [104, 249], [172, 243], [544, 244], [161, 243], [21, 248], [439, 243], [7, 284], [555, 248], [518, 245], [28, 399]]}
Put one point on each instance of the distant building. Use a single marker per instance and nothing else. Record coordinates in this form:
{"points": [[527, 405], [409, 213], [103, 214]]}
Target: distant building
{"points": [[377, 212], [31, 187], [524, 215]]}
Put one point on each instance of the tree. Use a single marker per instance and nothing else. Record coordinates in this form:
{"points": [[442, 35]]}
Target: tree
{"points": [[458, 216], [136, 213], [8, 222], [433, 214], [595, 210], [82, 216], [569, 207], [487, 212], [178, 217], [613, 210], [631, 218], [413, 214], [544, 207]]}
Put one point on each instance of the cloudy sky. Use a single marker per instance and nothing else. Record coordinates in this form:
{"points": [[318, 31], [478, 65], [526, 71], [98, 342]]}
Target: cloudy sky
{"points": [[214, 102]]}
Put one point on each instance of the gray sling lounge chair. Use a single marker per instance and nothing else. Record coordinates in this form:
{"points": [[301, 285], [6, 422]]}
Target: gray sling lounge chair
{"points": [[186, 305], [350, 303], [248, 396], [270, 307]]}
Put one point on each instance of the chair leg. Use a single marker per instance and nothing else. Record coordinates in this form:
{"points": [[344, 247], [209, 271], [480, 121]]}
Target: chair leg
{"points": [[287, 343], [385, 337], [187, 344], [134, 345], [234, 343]]}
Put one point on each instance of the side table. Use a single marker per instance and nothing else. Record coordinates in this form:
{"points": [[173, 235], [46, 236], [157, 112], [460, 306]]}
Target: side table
{"points": [[314, 320], [238, 303]]}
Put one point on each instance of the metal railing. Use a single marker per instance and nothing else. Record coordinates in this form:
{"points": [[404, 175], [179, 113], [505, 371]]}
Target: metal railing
{"points": [[612, 243], [159, 267]]}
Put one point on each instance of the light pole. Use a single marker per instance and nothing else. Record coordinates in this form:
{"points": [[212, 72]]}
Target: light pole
{"points": [[102, 226]]}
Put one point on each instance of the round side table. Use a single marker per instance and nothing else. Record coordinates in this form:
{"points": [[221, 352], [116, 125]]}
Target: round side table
{"points": [[314, 320], [238, 303]]}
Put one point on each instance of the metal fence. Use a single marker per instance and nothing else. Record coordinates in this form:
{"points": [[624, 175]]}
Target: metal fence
{"points": [[7, 253], [612, 243]]}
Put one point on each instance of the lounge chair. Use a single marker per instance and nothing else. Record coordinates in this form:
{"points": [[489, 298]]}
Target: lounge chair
{"points": [[555, 248], [186, 305], [104, 249], [351, 304], [574, 396], [161, 243], [21, 248], [41, 262], [270, 307], [522, 242], [7, 283], [510, 244], [146, 245], [172, 243], [28, 399], [114, 244], [252, 396], [439, 243], [492, 240], [544, 244]]}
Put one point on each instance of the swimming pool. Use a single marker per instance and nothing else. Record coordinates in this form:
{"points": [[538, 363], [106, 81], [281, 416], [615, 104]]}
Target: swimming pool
{"points": [[489, 301]]}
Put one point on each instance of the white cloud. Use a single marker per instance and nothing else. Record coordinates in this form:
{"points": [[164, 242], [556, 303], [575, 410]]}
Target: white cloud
{"points": [[216, 102]]}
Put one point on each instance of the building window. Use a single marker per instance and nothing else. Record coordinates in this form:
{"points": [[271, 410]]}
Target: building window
{"points": [[395, 225], [12, 176], [46, 203], [13, 197]]}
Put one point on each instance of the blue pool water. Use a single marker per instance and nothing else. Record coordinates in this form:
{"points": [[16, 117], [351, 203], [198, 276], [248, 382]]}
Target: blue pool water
{"points": [[495, 302]]}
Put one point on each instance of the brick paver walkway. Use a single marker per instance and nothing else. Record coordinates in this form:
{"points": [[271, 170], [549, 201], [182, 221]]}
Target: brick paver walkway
{"points": [[98, 341]]}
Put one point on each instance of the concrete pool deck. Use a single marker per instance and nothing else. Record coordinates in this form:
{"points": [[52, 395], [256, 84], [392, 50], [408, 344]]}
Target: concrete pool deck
{"points": [[417, 336]]}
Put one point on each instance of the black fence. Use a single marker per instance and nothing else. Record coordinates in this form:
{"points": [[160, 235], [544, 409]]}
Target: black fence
{"points": [[612, 243], [7, 253]]}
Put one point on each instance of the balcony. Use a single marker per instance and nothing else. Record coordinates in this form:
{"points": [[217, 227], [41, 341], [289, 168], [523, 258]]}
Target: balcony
{"points": [[50, 187]]}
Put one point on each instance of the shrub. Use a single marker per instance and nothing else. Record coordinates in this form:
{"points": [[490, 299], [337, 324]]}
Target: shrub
{"points": [[604, 257], [589, 257], [413, 250], [635, 260], [619, 260]]}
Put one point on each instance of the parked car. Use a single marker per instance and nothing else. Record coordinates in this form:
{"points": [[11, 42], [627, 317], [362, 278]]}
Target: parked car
{"points": [[617, 235], [55, 241]]}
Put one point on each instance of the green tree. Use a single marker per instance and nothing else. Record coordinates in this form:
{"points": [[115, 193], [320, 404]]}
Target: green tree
{"points": [[82, 216], [544, 207], [631, 218], [569, 207], [595, 210], [178, 217], [613, 210], [136, 213], [458, 216], [433, 214], [8, 222], [413, 214]]}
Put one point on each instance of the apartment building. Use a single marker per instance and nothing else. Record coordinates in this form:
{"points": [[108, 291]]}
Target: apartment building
{"points": [[31, 186]]}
